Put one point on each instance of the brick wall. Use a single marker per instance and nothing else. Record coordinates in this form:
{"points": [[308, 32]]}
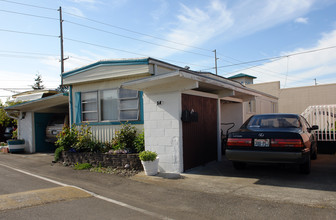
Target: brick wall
{"points": [[163, 129]]}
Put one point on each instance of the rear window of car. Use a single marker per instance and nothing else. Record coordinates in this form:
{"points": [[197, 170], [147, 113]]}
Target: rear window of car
{"points": [[274, 121]]}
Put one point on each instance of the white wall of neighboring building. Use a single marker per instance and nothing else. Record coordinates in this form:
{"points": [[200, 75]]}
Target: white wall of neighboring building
{"points": [[231, 112], [163, 129], [26, 131]]}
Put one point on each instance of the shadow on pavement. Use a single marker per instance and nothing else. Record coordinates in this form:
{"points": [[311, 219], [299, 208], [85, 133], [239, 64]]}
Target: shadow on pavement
{"points": [[322, 176]]}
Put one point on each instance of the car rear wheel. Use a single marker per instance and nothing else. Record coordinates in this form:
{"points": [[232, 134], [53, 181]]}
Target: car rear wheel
{"points": [[306, 166], [239, 165]]}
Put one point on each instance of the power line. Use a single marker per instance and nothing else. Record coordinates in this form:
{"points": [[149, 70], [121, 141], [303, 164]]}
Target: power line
{"points": [[31, 15], [34, 6], [125, 51], [277, 57], [132, 38], [28, 33], [25, 52], [136, 32]]}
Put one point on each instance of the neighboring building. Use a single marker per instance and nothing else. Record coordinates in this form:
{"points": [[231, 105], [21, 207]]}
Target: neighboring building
{"points": [[180, 110], [298, 99], [33, 95], [33, 115], [243, 78]]}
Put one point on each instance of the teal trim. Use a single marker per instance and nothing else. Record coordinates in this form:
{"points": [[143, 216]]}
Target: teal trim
{"points": [[78, 109], [141, 107], [140, 122], [15, 142], [71, 106], [41, 122], [107, 63]]}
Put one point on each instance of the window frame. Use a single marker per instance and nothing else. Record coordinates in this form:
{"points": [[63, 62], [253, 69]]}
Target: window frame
{"points": [[99, 107], [87, 112]]}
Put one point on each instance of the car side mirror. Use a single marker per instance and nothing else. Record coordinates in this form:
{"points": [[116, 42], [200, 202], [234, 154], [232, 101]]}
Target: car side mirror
{"points": [[312, 128]]}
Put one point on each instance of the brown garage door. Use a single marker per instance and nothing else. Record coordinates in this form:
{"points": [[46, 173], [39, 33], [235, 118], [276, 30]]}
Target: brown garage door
{"points": [[199, 138]]}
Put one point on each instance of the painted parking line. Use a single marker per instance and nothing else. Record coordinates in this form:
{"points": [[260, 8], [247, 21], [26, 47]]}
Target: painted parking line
{"points": [[143, 211], [40, 197]]}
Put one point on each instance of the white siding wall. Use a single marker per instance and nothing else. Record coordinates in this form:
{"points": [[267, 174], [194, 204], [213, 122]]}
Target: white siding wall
{"points": [[163, 129], [26, 131], [105, 133], [231, 112]]}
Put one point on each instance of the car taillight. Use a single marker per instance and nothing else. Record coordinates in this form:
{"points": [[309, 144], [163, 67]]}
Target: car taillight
{"points": [[246, 142], [287, 143]]}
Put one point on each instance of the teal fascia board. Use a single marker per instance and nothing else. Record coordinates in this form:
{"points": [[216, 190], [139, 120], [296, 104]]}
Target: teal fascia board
{"points": [[107, 63]]}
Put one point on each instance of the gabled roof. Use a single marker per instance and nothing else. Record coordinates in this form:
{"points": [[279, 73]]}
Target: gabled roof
{"points": [[240, 75]]}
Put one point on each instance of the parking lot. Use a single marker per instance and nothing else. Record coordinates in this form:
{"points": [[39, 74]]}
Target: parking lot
{"points": [[279, 183]]}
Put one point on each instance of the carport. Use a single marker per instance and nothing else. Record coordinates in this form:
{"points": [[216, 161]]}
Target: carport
{"points": [[33, 118], [184, 143]]}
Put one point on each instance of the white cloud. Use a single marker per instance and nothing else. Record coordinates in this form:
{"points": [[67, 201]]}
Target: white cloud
{"points": [[161, 10], [301, 69], [75, 11], [301, 20], [195, 26]]}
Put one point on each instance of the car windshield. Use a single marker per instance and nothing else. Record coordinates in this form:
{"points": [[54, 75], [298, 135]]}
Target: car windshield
{"points": [[274, 121]]}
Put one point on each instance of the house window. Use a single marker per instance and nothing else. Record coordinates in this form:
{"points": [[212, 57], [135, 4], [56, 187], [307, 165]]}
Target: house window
{"points": [[89, 106], [109, 105], [114, 105]]}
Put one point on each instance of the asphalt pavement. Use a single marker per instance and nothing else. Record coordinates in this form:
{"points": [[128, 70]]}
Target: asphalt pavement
{"points": [[215, 191]]}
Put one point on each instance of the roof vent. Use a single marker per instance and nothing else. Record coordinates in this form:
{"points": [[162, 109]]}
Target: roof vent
{"points": [[187, 67]]}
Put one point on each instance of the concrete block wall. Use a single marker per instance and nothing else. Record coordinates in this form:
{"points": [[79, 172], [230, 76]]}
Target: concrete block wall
{"points": [[163, 129]]}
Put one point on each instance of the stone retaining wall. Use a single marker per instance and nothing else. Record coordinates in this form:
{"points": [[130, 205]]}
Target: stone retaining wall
{"points": [[130, 161]]}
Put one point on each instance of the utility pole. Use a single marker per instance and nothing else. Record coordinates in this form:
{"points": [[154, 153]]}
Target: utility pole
{"points": [[215, 61], [61, 38]]}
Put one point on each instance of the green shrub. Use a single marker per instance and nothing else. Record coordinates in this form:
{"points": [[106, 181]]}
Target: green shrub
{"points": [[58, 152], [82, 166], [147, 155], [124, 138], [85, 141], [67, 138], [139, 142]]}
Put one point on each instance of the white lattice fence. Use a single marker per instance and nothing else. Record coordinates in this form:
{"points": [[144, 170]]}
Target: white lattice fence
{"points": [[324, 117]]}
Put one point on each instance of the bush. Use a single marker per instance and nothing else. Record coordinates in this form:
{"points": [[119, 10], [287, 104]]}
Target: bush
{"points": [[82, 166], [124, 138], [58, 152], [147, 155], [85, 141], [139, 142], [67, 138]]}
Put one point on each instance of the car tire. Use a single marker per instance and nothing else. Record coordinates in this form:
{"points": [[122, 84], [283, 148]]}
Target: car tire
{"points": [[306, 166], [239, 165]]}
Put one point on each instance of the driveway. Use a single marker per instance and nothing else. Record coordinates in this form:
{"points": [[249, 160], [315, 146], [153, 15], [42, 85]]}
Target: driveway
{"points": [[271, 183]]}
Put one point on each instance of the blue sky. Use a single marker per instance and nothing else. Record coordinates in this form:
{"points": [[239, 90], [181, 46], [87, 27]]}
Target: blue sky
{"points": [[180, 32]]}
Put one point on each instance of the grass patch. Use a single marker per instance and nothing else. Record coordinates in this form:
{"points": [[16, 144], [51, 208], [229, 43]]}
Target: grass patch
{"points": [[82, 166]]}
